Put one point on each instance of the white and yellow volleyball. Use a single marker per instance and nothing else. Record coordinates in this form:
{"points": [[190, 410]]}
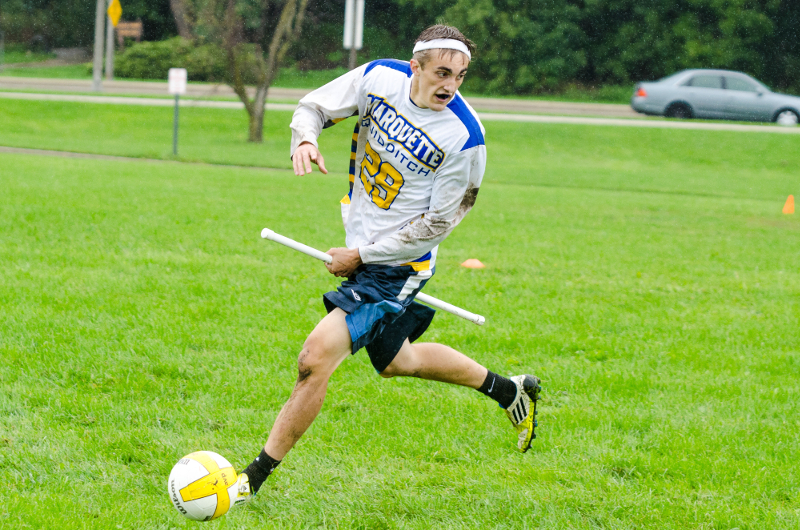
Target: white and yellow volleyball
{"points": [[202, 486]]}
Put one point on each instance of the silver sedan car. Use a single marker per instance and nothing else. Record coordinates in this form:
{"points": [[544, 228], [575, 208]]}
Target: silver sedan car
{"points": [[716, 95]]}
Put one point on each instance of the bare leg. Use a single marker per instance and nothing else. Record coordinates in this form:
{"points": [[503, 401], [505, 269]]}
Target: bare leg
{"points": [[324, 350], [436, 362]]}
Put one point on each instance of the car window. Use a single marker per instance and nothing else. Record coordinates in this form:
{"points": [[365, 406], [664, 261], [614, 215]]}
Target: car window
{"points": [[706, 81], [737, 83]]}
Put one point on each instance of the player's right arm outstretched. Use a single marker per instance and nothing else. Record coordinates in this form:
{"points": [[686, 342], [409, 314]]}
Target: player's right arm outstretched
{"points": [[322, 108], [304, 155]]}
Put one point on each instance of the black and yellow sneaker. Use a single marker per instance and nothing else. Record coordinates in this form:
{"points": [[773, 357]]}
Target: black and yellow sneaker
{"points": [[522, 412]]}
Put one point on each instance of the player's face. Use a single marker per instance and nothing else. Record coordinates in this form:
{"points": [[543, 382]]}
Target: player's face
{"points": [[436, 84]]}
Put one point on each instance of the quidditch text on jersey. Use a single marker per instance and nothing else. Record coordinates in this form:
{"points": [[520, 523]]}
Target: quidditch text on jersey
{"points": [[398, 129]]}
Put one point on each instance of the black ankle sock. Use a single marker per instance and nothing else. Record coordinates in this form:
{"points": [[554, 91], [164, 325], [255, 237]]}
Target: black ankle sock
{"points": [[499, 389], [259, 469]]}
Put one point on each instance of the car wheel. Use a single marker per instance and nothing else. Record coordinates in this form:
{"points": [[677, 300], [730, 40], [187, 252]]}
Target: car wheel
{"points": [[680, 111], [787, 118]]}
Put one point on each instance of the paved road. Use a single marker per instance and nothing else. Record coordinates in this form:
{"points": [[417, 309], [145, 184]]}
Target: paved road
{"points": [[156, 88], [646, 123], [485, 116], [132, 100]]}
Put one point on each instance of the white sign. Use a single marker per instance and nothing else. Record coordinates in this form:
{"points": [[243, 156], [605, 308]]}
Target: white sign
{"points": [[177, 81], [353, 24]]}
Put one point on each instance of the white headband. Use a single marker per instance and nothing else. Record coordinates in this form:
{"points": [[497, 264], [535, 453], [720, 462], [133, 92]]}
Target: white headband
{"points": [[447, 44]]}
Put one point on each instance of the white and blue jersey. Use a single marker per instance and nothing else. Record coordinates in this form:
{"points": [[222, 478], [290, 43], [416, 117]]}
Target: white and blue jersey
{"points": [[414, 172]]}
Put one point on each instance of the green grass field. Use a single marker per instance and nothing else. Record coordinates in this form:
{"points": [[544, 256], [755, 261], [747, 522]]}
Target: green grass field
{"points": [[13, 54], [72, 71], [648, 276]]}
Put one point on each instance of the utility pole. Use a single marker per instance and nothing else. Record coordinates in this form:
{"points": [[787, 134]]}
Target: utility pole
{"points": [[97, 66], [110, 48]]}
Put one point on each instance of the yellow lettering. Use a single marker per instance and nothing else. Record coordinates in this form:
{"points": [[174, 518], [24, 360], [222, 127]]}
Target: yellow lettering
{"points": [[387, 180]]}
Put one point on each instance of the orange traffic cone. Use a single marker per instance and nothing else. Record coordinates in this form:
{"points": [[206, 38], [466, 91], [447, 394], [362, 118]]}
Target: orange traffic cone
{"points": [[473, 264], [789, 206]]}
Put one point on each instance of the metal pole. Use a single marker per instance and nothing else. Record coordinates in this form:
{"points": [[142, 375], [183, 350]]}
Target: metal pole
{"points": [[348, 39], [352, 64], [356, 29], [97, 66], [109, 48], [353, 50], [175, 128]]}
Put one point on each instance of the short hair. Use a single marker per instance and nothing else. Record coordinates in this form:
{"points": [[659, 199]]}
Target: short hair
{"points": [[440, 31]]}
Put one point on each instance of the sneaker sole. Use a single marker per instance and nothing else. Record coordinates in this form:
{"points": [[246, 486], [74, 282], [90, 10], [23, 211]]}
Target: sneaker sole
{"points": [[533, 390]]}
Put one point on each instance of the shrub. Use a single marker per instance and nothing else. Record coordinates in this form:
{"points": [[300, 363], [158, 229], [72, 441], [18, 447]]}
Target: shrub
{"points": [[204, 62]]}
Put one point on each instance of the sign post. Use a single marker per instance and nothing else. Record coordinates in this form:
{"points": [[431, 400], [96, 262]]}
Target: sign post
{"points": [[177, 87], [353, 28], [97, 67], [114, 11]]}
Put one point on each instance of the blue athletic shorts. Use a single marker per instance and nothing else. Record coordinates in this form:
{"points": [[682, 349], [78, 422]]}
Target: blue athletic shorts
{"points": [[376, 318]]}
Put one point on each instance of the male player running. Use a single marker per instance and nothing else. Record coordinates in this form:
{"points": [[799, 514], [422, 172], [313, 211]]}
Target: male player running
{"points": [[416, 165]]}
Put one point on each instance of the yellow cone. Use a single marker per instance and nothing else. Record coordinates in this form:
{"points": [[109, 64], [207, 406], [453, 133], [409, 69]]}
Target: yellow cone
{"points": [[473, 264]]}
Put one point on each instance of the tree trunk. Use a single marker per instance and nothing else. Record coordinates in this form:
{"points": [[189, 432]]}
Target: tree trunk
{"points": [[257, 115], [182, 18], [257, 127]]}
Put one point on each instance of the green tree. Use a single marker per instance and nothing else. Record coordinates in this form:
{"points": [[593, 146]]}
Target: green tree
{"points": [[70, 23], [781, 56], [527, 46], [524, 46], [47, 23], [631, 40], [255, 35]]}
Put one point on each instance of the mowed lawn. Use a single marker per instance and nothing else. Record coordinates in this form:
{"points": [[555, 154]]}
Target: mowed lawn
{"points": [[647, 276]]}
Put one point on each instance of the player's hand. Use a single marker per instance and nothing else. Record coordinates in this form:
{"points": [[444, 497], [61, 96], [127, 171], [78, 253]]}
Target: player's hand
{"points": [[304, 155], [345, 261]]}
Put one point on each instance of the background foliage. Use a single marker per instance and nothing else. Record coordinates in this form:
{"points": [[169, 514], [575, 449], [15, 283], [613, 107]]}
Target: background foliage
{"points": [[68, 23], [524, 46], [152, 60], [533, 46]]}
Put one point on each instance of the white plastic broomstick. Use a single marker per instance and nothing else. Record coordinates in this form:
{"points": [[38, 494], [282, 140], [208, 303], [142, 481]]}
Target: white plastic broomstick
{"points": [[314, 253]]}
